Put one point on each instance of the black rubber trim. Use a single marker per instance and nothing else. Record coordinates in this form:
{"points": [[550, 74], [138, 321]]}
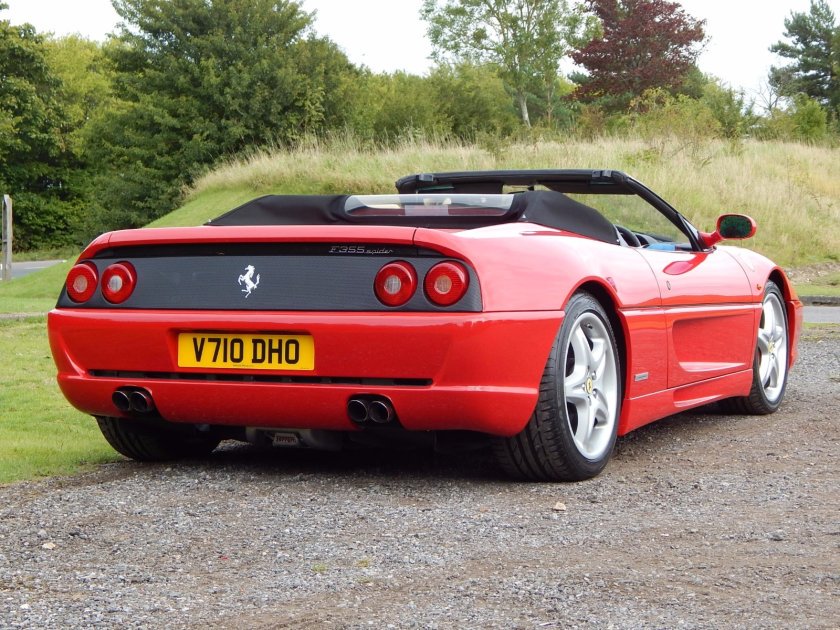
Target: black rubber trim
{"points": [[332, 249], [263, 378]]}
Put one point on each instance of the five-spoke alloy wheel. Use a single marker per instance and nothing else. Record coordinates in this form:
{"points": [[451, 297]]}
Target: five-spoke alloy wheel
{"points": [[770, 366], [573, 429]]}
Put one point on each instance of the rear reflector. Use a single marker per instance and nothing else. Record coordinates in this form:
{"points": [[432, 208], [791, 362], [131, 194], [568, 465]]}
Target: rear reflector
{"points": [[81, 282], [446, 283], [118, 282], [395, 283]]}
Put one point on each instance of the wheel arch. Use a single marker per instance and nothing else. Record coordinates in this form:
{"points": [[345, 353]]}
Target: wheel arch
{"points": [[782, 282], [789, 295]]}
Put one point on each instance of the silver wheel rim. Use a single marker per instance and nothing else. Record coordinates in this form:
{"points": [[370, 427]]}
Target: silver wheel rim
{"points": [[590, 385], [772, 348]]}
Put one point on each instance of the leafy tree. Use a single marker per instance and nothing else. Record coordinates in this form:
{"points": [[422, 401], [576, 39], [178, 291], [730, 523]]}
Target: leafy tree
{"points": [[525, 39], [397, 106], [814, 48], [645, 44], [462, 101], [805, 121], [85, 77], [35, 161], [730, 109], [658, 114], [473, 101], [85, 94], [198, 80]]}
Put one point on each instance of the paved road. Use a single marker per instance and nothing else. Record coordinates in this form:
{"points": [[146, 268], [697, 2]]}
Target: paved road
{"points": [[822, 314], [20, 269], [813, 314]]}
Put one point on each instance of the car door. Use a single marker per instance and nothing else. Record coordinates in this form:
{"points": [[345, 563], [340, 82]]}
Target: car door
{"points": [[709, 315]]}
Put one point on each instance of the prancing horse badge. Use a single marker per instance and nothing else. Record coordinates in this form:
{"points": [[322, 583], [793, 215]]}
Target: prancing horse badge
{"points": [[248, 279]]}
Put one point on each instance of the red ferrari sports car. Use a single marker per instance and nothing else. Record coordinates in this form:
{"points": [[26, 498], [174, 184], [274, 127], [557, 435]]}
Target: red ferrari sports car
{"points": [[544, 311]]}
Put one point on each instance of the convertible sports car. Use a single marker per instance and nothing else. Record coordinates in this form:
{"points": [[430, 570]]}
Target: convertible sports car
{"points": [[544, 311]]}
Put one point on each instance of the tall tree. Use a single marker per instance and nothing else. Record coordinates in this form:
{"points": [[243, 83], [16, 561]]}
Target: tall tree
{"points": [[35, 161], [814, 47], [645, 44], [525, 39], [85, 77], [473, 100], [198, 80]]}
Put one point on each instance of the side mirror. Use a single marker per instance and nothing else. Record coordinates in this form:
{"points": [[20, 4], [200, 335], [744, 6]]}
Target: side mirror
{"points": [[733, 226]]}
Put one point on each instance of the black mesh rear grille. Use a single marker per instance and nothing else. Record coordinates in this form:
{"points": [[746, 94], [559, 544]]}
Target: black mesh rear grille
{"points": [[265, 277]]}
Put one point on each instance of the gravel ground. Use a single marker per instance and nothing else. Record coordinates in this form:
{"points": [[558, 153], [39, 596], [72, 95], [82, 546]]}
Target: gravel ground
{"points": [[702, 520]]}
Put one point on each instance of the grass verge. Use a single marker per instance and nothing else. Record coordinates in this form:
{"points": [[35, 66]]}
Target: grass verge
{"points": [[825, 285], [40, 433], [50, 253], [820, 332], [35, 293]]}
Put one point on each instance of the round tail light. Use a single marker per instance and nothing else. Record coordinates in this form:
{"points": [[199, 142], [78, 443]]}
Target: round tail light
{"points": [[446, 283], [118, 282], [81, 282], [395, 283]]}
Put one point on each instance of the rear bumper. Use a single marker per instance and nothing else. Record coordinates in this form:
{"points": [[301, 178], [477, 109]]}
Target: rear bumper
{"points": [[469, 371]]}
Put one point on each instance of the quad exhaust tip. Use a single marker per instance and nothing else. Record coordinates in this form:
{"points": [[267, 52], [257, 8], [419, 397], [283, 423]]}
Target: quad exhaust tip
{"points": [[358, 410], [381, 411], [121, 400], [133, 400], [141, 401], [363, 409]]}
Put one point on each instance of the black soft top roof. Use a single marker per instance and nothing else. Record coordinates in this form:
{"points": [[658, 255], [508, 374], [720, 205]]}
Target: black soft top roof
{"points": [[287, 210], [543, 207]]}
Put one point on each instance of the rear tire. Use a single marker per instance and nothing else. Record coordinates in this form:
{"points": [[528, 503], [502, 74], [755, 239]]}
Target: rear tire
{"points": [[572, 432], [154, 441], [770, 364]]}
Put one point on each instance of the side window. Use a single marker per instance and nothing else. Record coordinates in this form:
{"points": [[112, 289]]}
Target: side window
{"points": [[635, 214]]}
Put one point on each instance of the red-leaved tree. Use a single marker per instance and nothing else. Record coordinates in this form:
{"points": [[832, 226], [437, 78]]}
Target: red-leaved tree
{"points": [[645, 44]]}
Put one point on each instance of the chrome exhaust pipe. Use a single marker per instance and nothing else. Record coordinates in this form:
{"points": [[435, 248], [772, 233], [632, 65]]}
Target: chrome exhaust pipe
{"points": [[358, 410], [141, 401], [121, 400], [381, 411]]}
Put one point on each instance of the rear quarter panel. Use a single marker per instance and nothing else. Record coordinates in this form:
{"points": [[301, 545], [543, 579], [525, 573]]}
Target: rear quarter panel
{"points": [[525, 267]]}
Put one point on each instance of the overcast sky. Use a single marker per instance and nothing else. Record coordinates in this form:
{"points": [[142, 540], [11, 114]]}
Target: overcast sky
{"points": [[388, 35]]}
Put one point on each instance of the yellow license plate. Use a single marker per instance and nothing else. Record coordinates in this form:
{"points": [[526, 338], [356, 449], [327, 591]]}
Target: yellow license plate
{"points": [[246, 352]]}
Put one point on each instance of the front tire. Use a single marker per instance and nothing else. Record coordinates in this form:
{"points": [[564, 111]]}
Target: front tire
{"points": [[770, 364], [572, 432], [155, 441]]}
